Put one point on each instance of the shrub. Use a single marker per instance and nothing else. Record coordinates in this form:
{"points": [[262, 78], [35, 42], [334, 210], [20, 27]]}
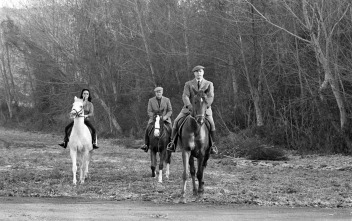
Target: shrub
{"points": [[253, 148]]}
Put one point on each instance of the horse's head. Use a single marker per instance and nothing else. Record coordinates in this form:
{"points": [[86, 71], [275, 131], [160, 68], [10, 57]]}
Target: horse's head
{"points": [[199, 104], [77, 108], [157, 125]]}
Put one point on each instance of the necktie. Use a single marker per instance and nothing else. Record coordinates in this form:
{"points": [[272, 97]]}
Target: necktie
{"points": [[198, 85]]}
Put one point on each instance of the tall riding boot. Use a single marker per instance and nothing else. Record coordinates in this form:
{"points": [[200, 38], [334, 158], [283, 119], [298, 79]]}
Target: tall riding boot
{"points": [[64, 144], [213, 148], [172, 145], [94, 141], [145, 147]]}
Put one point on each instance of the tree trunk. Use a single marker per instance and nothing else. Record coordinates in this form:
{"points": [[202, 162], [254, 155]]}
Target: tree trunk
{"points": [[185, 37], [14, 93], [144, 37], [107, 110], [234, 82], [6, 86]]}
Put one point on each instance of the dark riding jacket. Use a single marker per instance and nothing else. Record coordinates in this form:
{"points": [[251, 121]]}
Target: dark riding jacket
{"points": [[164, 108]]}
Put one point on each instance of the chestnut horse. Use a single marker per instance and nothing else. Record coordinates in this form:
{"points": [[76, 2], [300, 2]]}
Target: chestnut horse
{"points": [[159, 137], [194, 141], [80, 142]]}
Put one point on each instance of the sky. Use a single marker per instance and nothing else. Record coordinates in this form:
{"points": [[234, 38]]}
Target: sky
{"points": [[12, 3]]}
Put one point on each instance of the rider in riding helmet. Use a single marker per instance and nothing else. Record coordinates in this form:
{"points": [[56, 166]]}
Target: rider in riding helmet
{"points": [[158, 104], [199, 83], [88, 113]]}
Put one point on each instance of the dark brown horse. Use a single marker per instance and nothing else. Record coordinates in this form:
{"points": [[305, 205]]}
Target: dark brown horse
{"points": [[159, 137], [194, 141]]}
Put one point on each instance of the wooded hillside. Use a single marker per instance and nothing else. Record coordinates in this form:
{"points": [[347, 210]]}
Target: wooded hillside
{"points": [[281, 69]]}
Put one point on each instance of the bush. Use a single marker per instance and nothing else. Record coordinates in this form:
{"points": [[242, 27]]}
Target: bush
{"points": [[253, 148]]}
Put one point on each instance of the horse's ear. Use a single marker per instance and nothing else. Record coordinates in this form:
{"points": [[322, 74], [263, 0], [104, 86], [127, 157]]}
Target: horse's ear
{"points": [[75, 98]]}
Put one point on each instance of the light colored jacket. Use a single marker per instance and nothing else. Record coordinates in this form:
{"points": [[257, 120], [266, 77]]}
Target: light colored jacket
{"points": [[188, 94], [164, 108]]}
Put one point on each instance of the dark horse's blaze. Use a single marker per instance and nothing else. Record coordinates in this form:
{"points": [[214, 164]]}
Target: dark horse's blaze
{"points": [[157, 144], [194, 141]]}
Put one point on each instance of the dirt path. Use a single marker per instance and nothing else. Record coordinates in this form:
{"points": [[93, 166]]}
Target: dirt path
{"points": [[17, 208]]}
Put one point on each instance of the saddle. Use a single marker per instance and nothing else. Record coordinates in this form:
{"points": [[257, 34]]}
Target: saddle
{"points": [[70, 130], [164, 127], [182, 121]]}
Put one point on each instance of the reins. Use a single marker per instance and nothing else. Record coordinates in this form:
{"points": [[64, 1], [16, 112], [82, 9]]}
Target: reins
{"points": [[78, 113]]}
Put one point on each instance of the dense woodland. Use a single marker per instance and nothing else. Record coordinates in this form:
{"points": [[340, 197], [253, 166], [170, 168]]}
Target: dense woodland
{"points": [[281, 69]]}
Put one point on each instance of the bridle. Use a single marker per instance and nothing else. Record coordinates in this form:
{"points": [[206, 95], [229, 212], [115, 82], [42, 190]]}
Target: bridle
{"points": [[199, 118], [77, 113]]}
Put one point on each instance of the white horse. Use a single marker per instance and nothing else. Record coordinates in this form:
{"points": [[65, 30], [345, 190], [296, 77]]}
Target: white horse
{"points": [[80, 142]]}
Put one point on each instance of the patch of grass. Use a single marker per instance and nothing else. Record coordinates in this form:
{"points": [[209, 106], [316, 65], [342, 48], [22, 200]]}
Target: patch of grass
{"points": [[117, 173]]}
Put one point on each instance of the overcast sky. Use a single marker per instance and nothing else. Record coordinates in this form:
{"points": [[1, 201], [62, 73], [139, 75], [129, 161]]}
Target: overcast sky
{"points": [[12, 3]]}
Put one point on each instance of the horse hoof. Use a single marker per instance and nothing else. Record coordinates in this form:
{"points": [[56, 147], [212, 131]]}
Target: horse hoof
{"points": [[195, 193], [183, 200]]}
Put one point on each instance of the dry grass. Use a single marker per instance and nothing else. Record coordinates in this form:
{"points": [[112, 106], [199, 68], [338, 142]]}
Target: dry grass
{"points": [[33, 165]]}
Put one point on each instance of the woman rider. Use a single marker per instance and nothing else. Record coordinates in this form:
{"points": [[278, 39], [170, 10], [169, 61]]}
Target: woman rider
{"points": [[88, 112]]}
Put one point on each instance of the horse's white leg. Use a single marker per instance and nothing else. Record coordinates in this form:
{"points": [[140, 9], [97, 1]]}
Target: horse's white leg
{"points": [[167, 162], [167, 171], [74, 165], [88, 160], [160, 179], [81, 172], [84, 166], [161, 165]]}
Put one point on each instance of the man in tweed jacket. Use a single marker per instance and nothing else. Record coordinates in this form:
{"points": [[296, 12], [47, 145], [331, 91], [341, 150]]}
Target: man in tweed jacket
{"points": [[199, 83], [158, 104]]}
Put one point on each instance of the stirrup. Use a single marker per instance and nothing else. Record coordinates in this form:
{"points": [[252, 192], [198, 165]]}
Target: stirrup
{"points": [[64, 144], [171, 147], [145, 148], [213, 150]]}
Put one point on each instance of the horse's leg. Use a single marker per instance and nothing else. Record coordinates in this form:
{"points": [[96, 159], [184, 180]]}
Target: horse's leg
{"points": [[200, 175], [161, 165], [167, 161], [84, 167], [192, 170], [80, 165], [74, 165], [88, 160], [185, 159], [153, 161]]}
